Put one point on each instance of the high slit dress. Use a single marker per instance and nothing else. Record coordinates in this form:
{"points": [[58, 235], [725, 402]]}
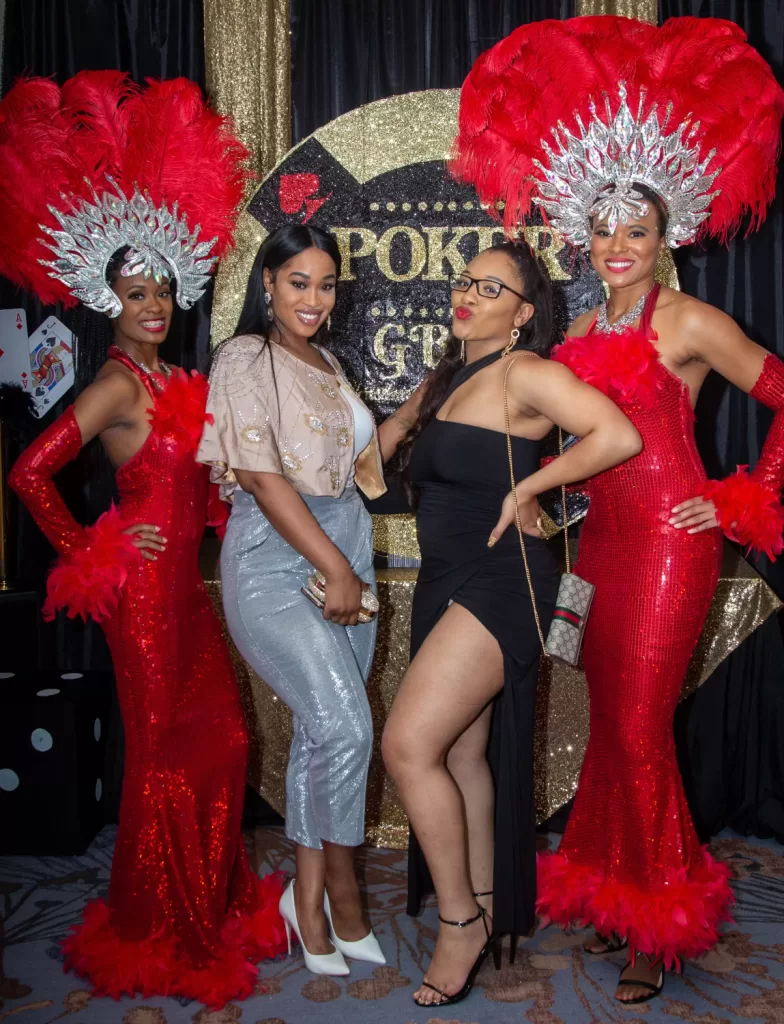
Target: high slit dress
{"points": [[461, 475]]}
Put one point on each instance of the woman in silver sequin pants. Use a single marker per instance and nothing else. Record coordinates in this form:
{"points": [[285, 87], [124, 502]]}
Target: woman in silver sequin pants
{"points": [[317, 668]]}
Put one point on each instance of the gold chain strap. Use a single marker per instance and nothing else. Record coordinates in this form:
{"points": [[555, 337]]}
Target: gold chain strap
{"points": [[517, 515]]}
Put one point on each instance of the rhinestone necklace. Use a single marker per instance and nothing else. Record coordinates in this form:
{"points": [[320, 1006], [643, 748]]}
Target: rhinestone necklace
{"points": [[153, 375], [604, 326]]}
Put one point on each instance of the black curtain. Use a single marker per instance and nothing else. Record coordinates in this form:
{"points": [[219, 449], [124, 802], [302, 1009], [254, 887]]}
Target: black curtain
{"points": [[731, 731], [57, 38], [344, 53]]}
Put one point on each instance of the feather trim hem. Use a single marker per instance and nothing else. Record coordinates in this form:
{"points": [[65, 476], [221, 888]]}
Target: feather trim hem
{"points": [[680, 920], [157, 966]]}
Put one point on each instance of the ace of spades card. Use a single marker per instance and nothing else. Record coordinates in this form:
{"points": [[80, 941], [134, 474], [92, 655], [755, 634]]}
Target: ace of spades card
{"points": [[14, 350], [51, 363]]}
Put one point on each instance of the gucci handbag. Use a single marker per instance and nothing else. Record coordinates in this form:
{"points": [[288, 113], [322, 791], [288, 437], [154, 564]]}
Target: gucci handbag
{"points": [[575, 594]]}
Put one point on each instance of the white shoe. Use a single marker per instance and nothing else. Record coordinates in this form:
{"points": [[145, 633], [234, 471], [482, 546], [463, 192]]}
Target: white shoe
{"points": [[317, 963], [361, 949]]}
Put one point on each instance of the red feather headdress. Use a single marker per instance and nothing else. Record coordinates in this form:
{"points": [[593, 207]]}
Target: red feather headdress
{"points": [[103, 164], [570, 114]]}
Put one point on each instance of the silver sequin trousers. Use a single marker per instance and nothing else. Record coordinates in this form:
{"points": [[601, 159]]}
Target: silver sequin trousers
{"points": [[318, 669]]}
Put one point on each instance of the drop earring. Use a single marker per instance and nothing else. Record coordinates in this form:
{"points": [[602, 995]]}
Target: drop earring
{"points": [[329, 322], [267, 298], [512, 340], [462, 351]]}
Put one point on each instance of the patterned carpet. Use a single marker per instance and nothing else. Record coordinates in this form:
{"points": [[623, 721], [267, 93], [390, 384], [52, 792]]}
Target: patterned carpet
{"points": [[551, 983]]}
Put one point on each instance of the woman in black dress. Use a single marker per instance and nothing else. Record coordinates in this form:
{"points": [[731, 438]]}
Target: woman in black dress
{"points": [[473, 632]]}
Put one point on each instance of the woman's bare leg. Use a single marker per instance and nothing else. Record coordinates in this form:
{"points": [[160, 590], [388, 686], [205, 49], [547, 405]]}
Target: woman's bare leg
{"points": [[458, 669]]}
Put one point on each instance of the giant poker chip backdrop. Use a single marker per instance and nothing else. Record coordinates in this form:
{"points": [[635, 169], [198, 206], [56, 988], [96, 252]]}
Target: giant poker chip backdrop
{"points": [[377, 179]]}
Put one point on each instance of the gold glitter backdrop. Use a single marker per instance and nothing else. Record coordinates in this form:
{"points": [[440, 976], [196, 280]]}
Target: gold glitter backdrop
{"points": [[643, 10], [247, 46], [742, 603]]}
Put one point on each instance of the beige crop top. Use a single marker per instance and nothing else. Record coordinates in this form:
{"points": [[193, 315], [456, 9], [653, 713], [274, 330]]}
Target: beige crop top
{"points": [[298, 423]]}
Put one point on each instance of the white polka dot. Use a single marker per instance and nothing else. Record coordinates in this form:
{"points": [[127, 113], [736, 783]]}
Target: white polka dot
{"points": [[97, 729], [72, 675], [98, 789], [9, 780], [7, 675], [47, 693], [41, 739]]}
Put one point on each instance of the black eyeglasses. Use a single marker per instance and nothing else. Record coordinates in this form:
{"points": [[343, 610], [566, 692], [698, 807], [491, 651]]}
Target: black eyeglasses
{"points": [[484, 286]]}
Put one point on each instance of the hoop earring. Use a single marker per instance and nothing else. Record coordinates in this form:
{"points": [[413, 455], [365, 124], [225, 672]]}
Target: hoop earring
{"points": [[512, 340]]}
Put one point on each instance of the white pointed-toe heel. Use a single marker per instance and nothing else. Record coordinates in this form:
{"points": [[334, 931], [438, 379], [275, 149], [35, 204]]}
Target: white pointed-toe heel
{"points": [[317, 963], [362, 949]]}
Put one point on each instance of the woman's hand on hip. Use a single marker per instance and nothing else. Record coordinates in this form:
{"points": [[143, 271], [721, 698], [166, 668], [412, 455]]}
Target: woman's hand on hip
{"points": [[148, 539], [694, 516], [343, 598], [529, 516]]}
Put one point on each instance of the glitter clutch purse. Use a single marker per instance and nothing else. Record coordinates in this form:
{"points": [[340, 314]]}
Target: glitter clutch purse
{"points": [[316, 591], [575, 594]]}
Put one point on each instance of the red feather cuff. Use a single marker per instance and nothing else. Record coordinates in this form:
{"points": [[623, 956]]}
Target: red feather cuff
{"points": [[88, 579], [749, 511]]}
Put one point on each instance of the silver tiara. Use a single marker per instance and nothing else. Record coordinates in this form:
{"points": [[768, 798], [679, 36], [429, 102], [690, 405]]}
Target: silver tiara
{"points": [[159, 240], [593, 174]]}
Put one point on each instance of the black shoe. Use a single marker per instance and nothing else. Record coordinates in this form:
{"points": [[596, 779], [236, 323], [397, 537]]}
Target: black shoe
{"points": [[653, 990], [612, 943], [513, 939], [492, 943]]}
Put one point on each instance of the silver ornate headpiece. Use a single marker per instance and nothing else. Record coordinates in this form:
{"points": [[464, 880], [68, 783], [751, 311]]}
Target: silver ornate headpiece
{"points": [[593, 174], [160, 245]]}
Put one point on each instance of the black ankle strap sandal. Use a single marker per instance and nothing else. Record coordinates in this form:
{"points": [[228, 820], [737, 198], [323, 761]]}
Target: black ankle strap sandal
{"points": [[491, 943]]}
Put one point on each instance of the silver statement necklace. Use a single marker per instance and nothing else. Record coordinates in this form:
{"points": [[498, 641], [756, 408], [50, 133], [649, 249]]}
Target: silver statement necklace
{"points": [[151, 374], [604, 326]]}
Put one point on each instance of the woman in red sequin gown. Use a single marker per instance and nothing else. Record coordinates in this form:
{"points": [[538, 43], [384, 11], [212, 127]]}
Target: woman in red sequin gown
{"points": [[630, 863], [185, 916]]}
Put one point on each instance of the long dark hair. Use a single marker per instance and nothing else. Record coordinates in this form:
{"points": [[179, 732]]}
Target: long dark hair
{"points": [[280, 247], [536, 336]]}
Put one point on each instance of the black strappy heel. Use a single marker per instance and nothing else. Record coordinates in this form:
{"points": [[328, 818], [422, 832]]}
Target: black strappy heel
{"points": [[613, 943], [513, 939], [490, 944], [651, 990]]}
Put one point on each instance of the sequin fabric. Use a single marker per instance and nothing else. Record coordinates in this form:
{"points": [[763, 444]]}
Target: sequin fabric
{"points": [[630, 861], [185, 914]]}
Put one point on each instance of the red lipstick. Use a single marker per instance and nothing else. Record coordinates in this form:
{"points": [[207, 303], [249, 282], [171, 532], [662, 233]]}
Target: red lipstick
{"points": [[463, 313]]}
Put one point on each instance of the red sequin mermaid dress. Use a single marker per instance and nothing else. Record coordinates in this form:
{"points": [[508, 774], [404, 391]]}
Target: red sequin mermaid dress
{"points": [[185, 916], [630, 861]]}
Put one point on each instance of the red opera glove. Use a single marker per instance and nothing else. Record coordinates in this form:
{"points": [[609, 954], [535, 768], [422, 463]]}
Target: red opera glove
{"points": [[748, 508], [93, 563]]}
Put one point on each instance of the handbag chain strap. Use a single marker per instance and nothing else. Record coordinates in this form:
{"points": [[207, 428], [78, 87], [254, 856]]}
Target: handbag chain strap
{"points": [[518, 522], [517, 515]]}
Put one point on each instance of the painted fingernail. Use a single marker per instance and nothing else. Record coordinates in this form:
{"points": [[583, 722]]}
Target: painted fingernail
{"points": [[491, 542]]}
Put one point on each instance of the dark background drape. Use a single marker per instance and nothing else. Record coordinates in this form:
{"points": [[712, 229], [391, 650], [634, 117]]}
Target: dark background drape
{"points": [[731, 731], [57, 38], [344, 53]]}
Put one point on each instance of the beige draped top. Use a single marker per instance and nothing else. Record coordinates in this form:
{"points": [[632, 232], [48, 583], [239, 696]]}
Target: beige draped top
{"points": [[295, 421]]}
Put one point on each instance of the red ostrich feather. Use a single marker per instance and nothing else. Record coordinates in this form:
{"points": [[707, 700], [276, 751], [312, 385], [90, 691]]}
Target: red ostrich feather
{"points": [[547, 71], [58, 145]]}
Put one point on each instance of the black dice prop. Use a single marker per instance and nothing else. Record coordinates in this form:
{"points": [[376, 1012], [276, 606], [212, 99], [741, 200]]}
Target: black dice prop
{"points": [[53, 728]]}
